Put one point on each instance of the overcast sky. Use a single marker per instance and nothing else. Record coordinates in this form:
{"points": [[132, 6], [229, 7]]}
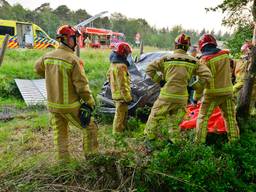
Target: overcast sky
{"points": [[160, 13]]}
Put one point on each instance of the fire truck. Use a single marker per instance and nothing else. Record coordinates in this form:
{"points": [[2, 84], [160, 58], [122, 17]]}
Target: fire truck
{"points": [[99, 38], [96, 37]]}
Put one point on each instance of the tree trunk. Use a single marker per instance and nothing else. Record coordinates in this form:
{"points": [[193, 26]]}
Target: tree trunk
{"points": [[243, 109]]}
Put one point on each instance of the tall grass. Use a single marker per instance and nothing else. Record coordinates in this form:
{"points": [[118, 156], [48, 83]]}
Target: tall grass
{"points": [[19, 63]]}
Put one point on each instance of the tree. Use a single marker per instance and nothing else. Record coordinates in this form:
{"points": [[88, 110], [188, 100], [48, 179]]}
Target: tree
{"points": [[63, 13], [245, 95], [240, 15], [238, 12], [80, 15]]}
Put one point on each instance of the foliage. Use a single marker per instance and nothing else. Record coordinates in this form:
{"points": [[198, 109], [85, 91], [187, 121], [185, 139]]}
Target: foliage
{"points": [[189, 167], [180, 167], [238, 12], [240, 15], [238, 39]]}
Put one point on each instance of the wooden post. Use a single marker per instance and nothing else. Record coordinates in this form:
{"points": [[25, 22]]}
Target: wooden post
{"points": [[78, 50], [3, 48], [141, 47], [243, 109]]}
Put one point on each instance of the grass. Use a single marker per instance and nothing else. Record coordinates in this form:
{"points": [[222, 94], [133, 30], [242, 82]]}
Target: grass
{"points": [[26, 141], [27, 156], [20, 64]]}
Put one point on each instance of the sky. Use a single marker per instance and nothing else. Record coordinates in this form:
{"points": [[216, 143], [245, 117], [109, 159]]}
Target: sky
{"points": [[190, 14]]}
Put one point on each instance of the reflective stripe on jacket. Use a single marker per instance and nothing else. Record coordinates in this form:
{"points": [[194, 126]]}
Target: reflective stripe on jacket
{"points": [[120, 81], [176, 69], [221, 82], [66, 82]]}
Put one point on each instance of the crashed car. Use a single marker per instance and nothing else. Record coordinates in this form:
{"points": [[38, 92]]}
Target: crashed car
{"points": [[144, 90]]}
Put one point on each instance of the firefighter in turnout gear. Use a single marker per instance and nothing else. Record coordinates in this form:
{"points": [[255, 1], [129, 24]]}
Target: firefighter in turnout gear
{"points": [[119, 79], [67, 86], [173, 72], [219, 92], [242, 66]]}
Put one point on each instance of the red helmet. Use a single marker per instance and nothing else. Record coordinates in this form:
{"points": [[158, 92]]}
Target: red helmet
{"points": [[122, 49], [205, 40], [182, 39], [246, 47], [68, 31]]}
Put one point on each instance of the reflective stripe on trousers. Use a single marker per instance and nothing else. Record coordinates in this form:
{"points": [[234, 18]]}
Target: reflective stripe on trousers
{"points": [[59, 123], [164, 119], [227, 107], [121, 115]]}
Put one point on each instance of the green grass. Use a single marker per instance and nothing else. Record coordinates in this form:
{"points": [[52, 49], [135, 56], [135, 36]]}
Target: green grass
{"points": [[20, 63], [27, 156]]}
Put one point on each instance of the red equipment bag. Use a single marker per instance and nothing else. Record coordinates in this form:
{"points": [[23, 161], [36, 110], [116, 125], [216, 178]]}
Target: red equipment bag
{"points": [[216, 122]]}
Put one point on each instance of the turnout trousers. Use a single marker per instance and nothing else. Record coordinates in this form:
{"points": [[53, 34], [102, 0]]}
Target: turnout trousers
{"points": [[226, 104], [164, 119], [121, 115], [60, 124]]}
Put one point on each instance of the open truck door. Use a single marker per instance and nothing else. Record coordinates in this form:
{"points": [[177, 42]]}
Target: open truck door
{"points": [[25, 36]]}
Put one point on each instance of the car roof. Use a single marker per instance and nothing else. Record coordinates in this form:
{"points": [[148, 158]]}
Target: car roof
{"points": [[147, 58]]}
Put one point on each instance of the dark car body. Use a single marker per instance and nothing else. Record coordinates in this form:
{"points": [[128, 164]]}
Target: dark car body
{"points": [[144, 90]]}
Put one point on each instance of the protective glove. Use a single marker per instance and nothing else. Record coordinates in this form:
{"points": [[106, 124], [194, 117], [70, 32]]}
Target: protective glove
{"points": [[162, 83], [91, 103], [85, 115]]}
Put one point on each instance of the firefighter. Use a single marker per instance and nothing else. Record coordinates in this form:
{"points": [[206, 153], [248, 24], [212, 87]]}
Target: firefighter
{"points": [[241, 69], [173, 72], [219, 92], [192, 51], [119, 79], [67, 86]]}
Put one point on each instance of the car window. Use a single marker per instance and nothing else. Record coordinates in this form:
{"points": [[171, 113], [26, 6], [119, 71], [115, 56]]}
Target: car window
{"points": [[6, 30]]}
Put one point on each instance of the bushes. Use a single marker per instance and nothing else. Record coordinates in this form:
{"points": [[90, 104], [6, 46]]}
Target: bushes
{"points": [[181, 167], [8, 87], [189, 167]]}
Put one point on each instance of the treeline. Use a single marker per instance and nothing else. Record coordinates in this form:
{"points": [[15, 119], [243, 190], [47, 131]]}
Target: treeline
{"points": [[50, 19]]}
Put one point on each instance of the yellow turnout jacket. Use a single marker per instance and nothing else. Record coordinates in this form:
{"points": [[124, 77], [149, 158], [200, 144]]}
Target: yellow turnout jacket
{"points": [[177, 69], [66, 82], [119, 79]]}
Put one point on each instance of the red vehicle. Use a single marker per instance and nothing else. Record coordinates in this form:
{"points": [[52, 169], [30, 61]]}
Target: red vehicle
{"points": [[99, 38]]}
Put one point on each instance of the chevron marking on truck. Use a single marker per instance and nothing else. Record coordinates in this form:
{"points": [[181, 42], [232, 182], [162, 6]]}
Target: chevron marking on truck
{"points": [[13, 42]]}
